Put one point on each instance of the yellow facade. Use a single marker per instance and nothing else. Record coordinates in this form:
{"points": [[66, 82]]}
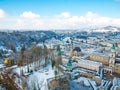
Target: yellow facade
{"points": [[7, 61], [117, 68], [103, 59]]}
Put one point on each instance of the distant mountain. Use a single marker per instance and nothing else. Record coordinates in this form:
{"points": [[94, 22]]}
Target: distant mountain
{"points": [[105, 29], [111, 27]]}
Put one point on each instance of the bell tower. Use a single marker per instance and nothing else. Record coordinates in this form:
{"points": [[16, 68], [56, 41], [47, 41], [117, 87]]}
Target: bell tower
{"points": [[71, 50], [112, 57]]}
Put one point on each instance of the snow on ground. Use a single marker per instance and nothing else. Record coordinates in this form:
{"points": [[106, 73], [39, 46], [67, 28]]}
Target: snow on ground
{"points": [[85, 80], [39, 78], [80, 84], [17, 70], [2, 65], [93, 84]]}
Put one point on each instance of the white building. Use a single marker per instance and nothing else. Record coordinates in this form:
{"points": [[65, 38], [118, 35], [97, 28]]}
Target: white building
{"points": [[92, 65]]}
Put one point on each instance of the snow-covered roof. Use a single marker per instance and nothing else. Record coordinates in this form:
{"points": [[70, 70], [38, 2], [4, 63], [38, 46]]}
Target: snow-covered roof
{"points": [[2, 66]]}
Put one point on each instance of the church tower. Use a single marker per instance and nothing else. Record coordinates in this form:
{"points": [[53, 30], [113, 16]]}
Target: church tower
{"points": [[71, 51], [59, 56], [112, 57]]}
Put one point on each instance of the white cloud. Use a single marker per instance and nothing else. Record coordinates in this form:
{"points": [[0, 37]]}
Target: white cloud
{"points": [[29, 20], [66, 15], [89, 20], [29, 24], [2, 14], [30, 14]]}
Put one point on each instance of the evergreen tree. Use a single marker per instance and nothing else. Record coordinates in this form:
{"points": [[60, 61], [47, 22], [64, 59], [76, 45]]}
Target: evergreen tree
{"points": [[59, 58], [34, 87], [0, 54], [58, 50], [13, 48], [22, 50], [45, 54], [53, 63]]}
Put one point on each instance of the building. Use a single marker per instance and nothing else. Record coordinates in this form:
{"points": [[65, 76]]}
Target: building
{"points": [[88, 64], [99, 58], [117, 68], [58, 83], [75, 52], [116, 84]]}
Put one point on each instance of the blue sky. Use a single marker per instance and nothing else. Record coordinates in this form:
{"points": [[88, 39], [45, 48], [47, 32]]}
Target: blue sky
{"points": [[58, 14], [108, 8]]}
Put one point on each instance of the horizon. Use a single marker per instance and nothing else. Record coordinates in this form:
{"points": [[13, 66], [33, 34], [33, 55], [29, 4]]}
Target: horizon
{"points": [[58, 14]]}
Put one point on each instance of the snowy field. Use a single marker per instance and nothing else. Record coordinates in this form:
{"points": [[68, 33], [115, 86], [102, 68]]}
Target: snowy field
{"points": [[37, 79], [82, 84]]}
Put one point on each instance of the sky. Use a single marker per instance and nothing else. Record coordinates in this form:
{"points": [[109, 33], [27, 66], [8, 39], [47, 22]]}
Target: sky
{"points": [[58, 14]]}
